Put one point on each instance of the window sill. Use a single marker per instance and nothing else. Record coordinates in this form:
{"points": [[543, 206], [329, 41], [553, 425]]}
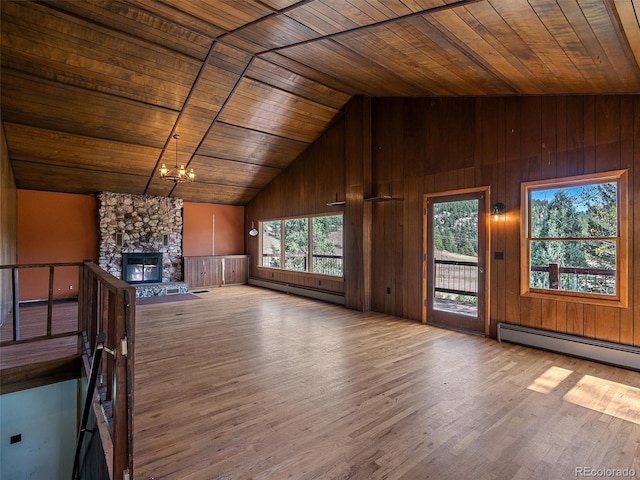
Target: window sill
{"points": [[571, 297], [301, 274]]}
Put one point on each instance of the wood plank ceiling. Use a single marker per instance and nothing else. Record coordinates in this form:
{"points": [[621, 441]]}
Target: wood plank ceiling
{"points": [[92, 91]]}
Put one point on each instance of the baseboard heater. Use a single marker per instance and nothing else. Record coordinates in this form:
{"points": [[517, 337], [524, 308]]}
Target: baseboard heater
{"points": [[587, 348], [298, 290]]}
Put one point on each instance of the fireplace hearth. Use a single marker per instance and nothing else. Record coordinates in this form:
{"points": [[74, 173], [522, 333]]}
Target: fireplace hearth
{"points": [[139, 268]]}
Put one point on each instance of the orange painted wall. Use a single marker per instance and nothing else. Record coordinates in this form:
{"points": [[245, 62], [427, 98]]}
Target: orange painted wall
{"points": [[55, 227], [199, 225], [61, 227]]}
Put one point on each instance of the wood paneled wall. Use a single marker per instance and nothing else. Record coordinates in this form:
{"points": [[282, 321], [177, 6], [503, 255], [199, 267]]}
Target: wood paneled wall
{"points": [[431, 145], [8, 227], [316, 177]]}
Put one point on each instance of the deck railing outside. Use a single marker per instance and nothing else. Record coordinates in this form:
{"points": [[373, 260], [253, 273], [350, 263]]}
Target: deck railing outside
{"points": [[461, 279], [298, 262], [295, 261], [328, 265], [576, 279], [456, 278], [271, 260]]}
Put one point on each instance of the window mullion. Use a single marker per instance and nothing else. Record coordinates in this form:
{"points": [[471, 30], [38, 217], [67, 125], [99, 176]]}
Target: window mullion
{"points": [[309, 245], [283, 254]]}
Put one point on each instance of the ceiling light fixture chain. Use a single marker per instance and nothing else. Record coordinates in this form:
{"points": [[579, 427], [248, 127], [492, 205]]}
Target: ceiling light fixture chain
{"points": [[175, 174]]}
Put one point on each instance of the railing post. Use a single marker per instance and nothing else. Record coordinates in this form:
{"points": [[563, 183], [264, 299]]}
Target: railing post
{"points": [[16, 304], [108, 312], [82, 307], [50, 300], [119, 374], [93, 307], [130, 317], [554, 276]]}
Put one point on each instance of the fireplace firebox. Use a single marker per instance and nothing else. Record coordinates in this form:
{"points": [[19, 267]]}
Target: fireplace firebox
{"points": [[142, 267]]}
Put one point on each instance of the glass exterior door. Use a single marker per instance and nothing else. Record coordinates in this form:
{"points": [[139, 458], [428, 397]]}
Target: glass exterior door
{"points": [[455, 261]]}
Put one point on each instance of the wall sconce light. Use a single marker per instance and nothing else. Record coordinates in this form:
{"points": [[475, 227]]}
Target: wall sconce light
{"points": [[253, 232], [498, 210]]}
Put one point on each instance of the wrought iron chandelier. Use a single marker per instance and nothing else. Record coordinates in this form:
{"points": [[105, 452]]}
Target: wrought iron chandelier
{"points": [[175, 174]]}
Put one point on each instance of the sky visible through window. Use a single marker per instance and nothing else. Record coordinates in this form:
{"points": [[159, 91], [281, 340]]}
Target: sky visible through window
{"points": [[573, 237], [581, 196]]}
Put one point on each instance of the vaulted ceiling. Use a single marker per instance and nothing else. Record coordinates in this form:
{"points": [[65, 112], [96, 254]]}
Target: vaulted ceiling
{"points": [[93, 91]]}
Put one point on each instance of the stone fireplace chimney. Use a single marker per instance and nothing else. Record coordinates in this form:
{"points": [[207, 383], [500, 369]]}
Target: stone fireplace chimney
{"points": [[140, 224]]}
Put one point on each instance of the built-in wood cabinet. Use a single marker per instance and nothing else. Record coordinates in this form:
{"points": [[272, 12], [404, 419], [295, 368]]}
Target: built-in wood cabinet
{"points": [[216, 271], [235, 269]]}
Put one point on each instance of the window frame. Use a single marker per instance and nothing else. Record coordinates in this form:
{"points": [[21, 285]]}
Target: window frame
{"points": [[261, 244], [310, 245], [620, 299]]}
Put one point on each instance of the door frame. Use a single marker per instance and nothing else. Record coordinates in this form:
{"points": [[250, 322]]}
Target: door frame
{"points": [[483, 208]]}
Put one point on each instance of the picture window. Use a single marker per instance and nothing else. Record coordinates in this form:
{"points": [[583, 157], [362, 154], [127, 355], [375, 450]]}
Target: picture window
{"points": [[574, 239]]}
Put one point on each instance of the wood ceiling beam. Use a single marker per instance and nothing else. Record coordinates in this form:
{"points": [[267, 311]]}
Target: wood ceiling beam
{"points": [[219, 39], [627, 14], [333, 36], [213, 122], [175, 124], [426, 11], [276, 13]]}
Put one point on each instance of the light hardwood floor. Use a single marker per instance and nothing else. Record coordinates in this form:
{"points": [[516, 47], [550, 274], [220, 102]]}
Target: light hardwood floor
{"points": [[247, 383]]}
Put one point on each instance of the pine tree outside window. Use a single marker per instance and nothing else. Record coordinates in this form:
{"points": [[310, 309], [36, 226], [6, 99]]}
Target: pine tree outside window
{"points": [[271, 244], [574, 238]]}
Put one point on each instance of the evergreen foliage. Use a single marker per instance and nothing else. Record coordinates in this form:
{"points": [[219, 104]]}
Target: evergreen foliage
{"points": [[455, 227], [575, 227], [323, 228], [326, 241]]}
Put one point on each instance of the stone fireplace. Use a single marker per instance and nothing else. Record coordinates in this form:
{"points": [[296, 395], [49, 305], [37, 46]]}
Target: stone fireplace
{"points": [[143, 225]]}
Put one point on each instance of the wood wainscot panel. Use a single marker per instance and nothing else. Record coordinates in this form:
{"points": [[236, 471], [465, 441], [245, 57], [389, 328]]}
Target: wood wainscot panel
{"points": [[203, 271], [235, 269], [216, 270]]}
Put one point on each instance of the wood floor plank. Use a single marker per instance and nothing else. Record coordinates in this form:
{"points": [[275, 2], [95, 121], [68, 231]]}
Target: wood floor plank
{"points": [[248, 383]]}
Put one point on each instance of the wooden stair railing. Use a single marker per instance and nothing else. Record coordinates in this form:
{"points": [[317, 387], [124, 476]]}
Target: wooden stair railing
{"points": [[107, 312], [38, 338], [15, 300]]}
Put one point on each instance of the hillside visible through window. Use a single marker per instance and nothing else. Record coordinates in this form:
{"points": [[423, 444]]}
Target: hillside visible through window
{"points": [[455, 245], [289, 245], [573, 238]]}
